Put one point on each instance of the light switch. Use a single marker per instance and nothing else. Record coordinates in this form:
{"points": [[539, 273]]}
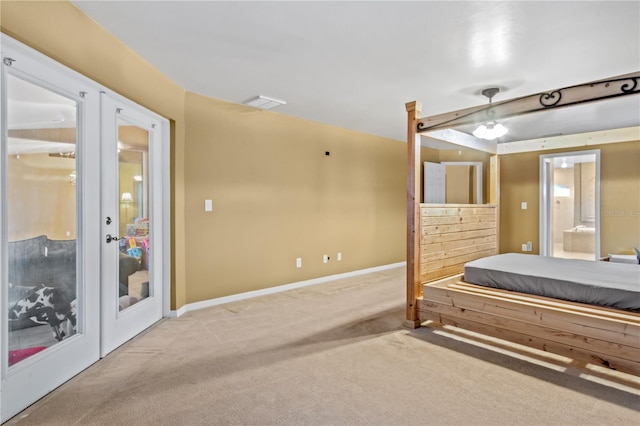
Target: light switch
{"points": [[524, 205], [208, 205]]}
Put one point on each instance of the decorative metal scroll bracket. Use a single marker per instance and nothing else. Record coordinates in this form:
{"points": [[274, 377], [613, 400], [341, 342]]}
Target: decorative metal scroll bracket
{"points": [[572, 95], [547, 99]]}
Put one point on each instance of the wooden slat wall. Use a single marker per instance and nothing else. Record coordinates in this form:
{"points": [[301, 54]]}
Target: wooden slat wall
{"points": [[453, 234]]}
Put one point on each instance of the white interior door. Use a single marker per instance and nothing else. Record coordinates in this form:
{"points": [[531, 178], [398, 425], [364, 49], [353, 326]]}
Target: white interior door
{"points": [[133, 201], [49, 234], [434, 183]]}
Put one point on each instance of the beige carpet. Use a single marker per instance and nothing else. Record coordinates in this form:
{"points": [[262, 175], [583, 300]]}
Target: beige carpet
{"points": [[331, 354]]}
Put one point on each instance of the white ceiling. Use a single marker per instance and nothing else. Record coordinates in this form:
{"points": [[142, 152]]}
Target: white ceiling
{"points": [[355, 64]]}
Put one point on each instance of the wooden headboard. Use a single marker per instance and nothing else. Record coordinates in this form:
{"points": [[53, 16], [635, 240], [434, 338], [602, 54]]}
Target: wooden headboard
{"points": [[453, 234]]}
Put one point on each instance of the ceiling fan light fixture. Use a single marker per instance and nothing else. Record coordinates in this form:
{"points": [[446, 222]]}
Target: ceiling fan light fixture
{"points": [[490, 130]]}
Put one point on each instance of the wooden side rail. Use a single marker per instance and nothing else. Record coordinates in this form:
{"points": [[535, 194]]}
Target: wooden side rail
{"points": [[601, 336]]}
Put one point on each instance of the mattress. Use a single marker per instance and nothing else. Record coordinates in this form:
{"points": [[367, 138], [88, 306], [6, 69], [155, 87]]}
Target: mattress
{"points": [[613, 285]]}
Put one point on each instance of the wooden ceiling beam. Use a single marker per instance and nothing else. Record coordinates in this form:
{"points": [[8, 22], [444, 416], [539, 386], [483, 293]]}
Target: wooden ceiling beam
{"points": [[624, 85]]}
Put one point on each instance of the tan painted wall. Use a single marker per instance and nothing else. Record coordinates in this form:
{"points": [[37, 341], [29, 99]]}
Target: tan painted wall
{"points": [[619, 198], [61, 31], [277, 196], [459, 185]]}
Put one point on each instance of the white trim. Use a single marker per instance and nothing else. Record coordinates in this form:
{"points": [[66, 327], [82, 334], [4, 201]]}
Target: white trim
{"points": [[278, 289], [545, 205], [166, 219], [177, 313]]}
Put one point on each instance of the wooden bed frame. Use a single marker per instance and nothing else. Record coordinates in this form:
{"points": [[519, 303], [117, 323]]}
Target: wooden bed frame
{"points": [[442, 238], [601, 336]]}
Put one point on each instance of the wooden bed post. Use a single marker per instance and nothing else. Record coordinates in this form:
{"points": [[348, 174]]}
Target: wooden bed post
{"points": [[494, 193], [413, 209]]}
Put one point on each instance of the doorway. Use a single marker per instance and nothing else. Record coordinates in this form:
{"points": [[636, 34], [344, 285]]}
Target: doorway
{"points": [[570, 205], [453, 182], [68, 165]]}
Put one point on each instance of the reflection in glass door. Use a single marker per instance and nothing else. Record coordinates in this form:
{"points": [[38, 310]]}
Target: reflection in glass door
{"points": [[41, 219], [133, 220]]}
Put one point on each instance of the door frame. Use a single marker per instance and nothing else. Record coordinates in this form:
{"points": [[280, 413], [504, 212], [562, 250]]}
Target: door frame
{"points": [[546, 198]]}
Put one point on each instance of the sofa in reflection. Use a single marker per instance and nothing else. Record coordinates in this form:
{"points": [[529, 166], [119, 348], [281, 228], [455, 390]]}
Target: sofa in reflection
{"points": [[40, 262]]}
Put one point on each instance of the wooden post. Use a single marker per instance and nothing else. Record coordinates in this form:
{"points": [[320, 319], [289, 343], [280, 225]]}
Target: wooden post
{"points": [[494, 193], [413, 210]]}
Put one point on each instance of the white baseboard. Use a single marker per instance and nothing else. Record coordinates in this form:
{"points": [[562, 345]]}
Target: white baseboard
{"points": [[271, 290], [177, 313]]}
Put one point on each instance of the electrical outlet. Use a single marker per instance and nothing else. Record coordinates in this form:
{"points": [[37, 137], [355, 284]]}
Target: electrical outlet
{"points": [[325, 258], [529, 246], [299, 262], [339, 256], [524, 247]]}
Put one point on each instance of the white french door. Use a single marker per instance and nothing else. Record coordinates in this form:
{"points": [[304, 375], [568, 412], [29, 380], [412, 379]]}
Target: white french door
{"points": [[49, 240], [77, 163], [132, 219]]}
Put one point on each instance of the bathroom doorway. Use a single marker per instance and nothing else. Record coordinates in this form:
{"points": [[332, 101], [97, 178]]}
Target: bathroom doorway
{"points": [[569, 205]]}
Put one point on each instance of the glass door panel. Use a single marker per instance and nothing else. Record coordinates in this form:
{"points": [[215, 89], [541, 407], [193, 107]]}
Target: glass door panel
{"points": [[133, 183], [41, 218]]}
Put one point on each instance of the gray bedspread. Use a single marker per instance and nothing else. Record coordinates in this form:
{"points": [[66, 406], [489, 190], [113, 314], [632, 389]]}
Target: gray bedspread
{"points": [[614, 285]]}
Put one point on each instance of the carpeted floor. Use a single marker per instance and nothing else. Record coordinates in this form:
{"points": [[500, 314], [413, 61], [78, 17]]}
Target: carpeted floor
{"points": [[331, 354]]}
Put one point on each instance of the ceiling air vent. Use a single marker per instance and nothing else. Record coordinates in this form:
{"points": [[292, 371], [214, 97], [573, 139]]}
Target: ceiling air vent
{"points": [[264, 102]]}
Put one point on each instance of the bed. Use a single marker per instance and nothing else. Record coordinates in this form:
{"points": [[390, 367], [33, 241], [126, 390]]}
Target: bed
{"points": [[442, 239], [606, 284]]}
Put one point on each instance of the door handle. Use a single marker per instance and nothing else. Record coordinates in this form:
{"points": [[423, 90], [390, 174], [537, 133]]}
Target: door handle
{"points": [[110, 238]]}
